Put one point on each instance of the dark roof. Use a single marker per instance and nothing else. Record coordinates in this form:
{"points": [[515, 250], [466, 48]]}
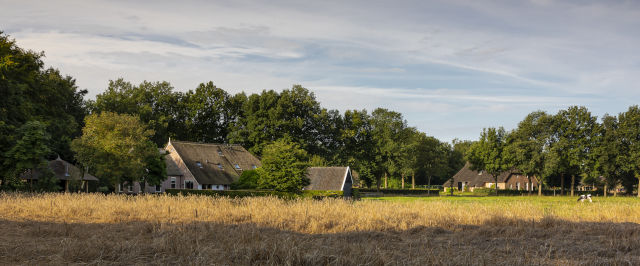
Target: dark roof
{"points": [[62, 170], [326, 178], [204, 160], [475, 178]]}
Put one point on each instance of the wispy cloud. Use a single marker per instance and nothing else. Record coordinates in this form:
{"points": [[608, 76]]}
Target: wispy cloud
{"points": [[452, 67]]}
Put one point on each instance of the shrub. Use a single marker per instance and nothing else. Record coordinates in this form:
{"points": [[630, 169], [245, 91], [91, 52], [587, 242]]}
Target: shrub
{"points": [[248, 180]]}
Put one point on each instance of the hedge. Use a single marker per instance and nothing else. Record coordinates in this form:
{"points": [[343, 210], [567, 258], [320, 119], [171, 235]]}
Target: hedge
{"points": [[316, 194], [417, 191]]}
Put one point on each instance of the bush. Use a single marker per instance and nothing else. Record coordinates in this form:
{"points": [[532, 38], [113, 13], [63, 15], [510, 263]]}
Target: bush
{"points": [[248, 180]]}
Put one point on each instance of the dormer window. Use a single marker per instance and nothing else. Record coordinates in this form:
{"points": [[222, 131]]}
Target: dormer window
{"points": [[253, 166], [220, 153], [237, 166], [199, 164], [220, 166]]}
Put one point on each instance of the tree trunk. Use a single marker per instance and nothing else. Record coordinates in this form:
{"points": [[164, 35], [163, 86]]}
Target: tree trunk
{"points": [[530, 186], [562, 184], [452, 181], [496, 178], [605, 190], [638, 187], [429, 185], [539, 186], [573, 181], [385, 180], [402, 176], [413, 180]]}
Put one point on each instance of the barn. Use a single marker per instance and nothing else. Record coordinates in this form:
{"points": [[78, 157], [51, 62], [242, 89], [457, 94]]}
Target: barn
{"points": [[467, 179], [338, 178]]}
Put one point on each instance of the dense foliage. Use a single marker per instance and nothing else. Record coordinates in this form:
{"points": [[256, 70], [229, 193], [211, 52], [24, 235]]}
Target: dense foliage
{"points": [[570, 144], [31, 93], [117, 149]]}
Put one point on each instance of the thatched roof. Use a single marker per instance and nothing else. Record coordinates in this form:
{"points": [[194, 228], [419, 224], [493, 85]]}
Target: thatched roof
{"points": [[172, 167], [326, 178], [218, 164], [62, 170], [475, 178]]}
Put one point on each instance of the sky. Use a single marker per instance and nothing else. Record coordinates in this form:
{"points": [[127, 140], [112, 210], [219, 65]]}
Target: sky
{"points": [[450, 67]]}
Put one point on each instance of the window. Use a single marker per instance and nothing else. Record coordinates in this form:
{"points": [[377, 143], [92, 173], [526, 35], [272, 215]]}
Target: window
{"points": [[253, 166], [130, 188], [220, 153], [217, 187], [237, 166], [510, 186], [199, 164], [518, 186], [220, 166], [188, 184], [173, 182], [158, 188]]}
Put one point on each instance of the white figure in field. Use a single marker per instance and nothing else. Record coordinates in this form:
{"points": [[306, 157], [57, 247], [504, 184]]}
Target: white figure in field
{"points": [[582, 198]]}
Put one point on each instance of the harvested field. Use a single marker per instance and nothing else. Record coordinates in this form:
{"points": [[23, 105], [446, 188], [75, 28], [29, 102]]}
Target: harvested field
{"points": [[117, 229]]}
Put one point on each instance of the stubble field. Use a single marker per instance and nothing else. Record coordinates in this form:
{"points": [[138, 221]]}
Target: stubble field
{"points": [[195, 230]]}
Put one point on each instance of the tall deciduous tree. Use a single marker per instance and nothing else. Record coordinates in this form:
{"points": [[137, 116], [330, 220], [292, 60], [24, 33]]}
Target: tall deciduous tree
{"points": [[576, 128], [629, 129], [487, 154], [526, 146], [30, 92], [115, 147], [389, 131], [284, 167]]}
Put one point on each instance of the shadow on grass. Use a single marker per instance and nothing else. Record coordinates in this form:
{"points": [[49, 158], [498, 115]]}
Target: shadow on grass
{"points": [[496, 242]]}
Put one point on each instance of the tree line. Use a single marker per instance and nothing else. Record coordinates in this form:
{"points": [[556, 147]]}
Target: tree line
{"points": [[43, 115], [564, 149]]}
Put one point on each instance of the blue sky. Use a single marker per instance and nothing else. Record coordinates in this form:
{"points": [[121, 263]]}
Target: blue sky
{"points": [[451, 67]]}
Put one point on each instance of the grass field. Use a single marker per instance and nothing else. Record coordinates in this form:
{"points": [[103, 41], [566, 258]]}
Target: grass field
{"points": [[151, 229]]}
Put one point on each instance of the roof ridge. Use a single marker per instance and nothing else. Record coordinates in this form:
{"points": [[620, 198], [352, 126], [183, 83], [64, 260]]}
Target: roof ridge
{"points": [[203, 143]]}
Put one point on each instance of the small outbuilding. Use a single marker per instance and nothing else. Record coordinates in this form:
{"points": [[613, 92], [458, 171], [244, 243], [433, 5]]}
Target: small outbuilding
{"points": [[339, 178], [65, 172]]}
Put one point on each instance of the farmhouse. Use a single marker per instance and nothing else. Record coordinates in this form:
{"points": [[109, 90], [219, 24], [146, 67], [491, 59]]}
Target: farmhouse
{"points": [[467, 179], [192, 165], [64, 171], [330, 178]]}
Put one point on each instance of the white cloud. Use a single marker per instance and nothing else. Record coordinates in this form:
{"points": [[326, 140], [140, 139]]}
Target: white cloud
{"points": [[497, 58]]}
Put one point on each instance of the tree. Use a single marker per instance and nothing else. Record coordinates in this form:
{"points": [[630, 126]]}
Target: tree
{"points": [[526, 146], [32, 93], [432, 157], [154, 102], [115, 147], [389, 131], [284, 167], [155, 170], [629, 128], [575, 129], [607, 153], [487, 154], [29, 152]]}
